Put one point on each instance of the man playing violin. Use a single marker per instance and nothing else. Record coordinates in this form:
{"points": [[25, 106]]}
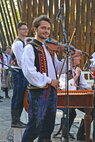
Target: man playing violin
{"points": [[41, 68]]}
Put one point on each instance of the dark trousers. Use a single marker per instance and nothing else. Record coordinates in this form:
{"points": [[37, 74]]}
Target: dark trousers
{"points": [[19, 87], [72, 115], [42, 112]]}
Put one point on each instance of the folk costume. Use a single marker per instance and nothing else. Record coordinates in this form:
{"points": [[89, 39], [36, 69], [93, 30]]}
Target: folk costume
{"points": [[39, 68], [19, 83], [80, 84]]}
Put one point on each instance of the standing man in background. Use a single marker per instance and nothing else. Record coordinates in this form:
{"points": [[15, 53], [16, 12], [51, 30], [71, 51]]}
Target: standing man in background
{"points": [[19, 81]]}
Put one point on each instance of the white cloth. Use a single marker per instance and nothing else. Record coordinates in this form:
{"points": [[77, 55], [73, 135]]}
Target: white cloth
{"points": [[93, 55], [36, 78], [83, 83], [63, 83], [5, 61], [92, 65], [17, 48], [8, 59], [0, 64]]}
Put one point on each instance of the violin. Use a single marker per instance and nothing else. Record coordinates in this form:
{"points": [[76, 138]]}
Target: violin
{"points": [[55, 46]]}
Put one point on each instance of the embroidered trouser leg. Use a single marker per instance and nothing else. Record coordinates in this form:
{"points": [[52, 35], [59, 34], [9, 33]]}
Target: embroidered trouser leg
{"points": [[49, 121], [42, 111]]}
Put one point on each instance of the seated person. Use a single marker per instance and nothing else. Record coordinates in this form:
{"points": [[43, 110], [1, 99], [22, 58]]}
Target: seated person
{"points": [[76, 82]]}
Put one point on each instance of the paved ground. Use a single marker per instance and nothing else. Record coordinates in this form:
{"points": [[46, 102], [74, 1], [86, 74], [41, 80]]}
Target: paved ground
{"points": [[7, 133]]}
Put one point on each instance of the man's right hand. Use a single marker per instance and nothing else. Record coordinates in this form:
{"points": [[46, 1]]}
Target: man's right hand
{"points": [[55, 83]]}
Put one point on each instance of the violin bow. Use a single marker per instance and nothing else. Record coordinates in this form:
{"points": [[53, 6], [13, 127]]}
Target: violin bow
{"points": [[65, 58], [72, 36], [61, 68]]}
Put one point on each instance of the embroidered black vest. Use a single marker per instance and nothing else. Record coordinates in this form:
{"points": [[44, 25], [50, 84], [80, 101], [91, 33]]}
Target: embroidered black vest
{"points": [[40, 57]]}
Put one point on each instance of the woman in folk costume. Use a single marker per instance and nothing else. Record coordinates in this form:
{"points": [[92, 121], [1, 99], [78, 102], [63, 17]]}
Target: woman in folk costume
{"points": [[76, 82]]}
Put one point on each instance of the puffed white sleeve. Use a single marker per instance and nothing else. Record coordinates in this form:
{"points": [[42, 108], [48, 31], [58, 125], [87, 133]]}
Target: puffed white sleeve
{"points": [[93, 55], [29, 69], [18, 48], [83, 82]]}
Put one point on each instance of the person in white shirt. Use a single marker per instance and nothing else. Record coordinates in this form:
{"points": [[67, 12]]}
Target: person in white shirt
{"points": [[5, 76], [76, 72], [92, 67], [76, 82], [19, 81], [40, 68]]}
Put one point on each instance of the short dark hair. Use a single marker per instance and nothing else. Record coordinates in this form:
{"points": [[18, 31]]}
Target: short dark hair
{"points": [[20, 24], [37, 20]]}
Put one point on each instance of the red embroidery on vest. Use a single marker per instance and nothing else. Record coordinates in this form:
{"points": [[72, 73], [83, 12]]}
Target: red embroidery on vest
{"points": [[43, 62], [42, 59]]}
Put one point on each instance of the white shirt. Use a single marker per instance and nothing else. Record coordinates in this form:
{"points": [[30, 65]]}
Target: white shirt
{"points": [[36, 78], [0, 64], [8, 59], [92, 65], [93, 55], [72, 86], [17, 48], [5, 61]]}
